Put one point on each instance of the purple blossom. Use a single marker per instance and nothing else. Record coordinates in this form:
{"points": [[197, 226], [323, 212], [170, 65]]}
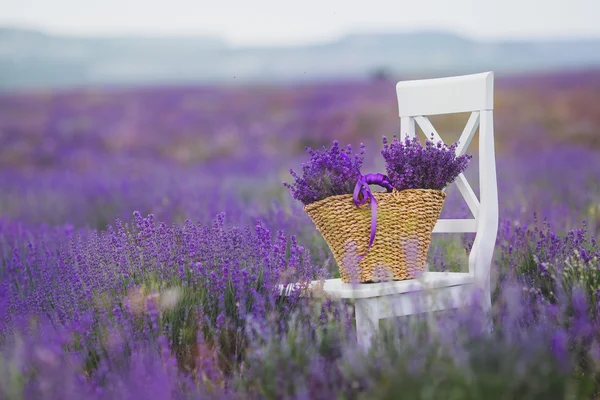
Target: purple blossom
{"points": [[329, 172], [412, 166]]}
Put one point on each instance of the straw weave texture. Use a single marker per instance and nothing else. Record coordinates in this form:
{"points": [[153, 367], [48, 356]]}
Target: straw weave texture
{"points": [[405, 220]]}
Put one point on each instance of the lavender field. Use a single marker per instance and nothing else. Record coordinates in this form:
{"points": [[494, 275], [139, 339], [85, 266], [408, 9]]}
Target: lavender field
{"points": [[144, 233]]}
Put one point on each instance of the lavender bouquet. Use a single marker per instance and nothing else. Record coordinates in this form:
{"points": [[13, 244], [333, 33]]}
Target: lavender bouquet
{"points": [[412, 166], [330, 172]]}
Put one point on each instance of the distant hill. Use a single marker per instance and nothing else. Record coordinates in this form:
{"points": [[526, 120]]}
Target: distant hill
{"points": [[33, 59]]}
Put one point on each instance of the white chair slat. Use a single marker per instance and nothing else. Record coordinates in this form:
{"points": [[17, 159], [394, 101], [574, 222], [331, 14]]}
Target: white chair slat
{"points": [[468, 133]]}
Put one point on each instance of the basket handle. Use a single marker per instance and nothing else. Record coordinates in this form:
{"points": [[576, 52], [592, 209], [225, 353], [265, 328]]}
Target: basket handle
{"points": [[362, 194]]}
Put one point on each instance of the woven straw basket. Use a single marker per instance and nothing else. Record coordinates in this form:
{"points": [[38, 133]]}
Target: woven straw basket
{"points": [[405, 220]]}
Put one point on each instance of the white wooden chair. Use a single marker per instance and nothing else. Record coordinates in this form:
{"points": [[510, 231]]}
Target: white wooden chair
{"points": [[435, 291]]}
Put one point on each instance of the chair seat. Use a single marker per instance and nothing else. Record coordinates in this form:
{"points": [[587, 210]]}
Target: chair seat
{"points": [[429, 280]]}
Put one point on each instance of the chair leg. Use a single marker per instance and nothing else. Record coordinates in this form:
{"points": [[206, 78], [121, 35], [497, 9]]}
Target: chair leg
{"points": [[484, 300], [367, 321], [487, 309]]}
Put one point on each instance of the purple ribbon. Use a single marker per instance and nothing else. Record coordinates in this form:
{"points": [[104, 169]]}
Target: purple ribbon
{"points": [[362, 194]]}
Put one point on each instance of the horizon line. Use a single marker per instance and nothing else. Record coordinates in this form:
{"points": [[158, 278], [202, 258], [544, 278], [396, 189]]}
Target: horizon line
{"points": [[328, 39]]}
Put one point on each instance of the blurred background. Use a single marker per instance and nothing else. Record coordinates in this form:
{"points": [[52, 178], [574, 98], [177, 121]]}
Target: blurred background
{"points": [[66, 43], [188, 108]]}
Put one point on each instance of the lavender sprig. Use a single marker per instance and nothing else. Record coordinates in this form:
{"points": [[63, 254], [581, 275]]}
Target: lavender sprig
{"points": [[329, 172], [412, 166]]}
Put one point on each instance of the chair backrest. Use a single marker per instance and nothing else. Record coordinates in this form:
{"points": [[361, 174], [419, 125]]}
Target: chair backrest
{"points": [[469, 93]]}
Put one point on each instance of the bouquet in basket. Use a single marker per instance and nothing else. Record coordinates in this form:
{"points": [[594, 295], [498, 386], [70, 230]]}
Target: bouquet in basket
{"points": [[386, 230]]}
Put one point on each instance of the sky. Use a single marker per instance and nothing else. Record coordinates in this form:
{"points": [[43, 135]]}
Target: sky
{"points": [[286, 22]]}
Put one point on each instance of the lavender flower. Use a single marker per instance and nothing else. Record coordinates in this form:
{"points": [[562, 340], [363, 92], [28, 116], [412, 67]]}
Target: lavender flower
{"points": [[328, 173], [412, 166]]}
